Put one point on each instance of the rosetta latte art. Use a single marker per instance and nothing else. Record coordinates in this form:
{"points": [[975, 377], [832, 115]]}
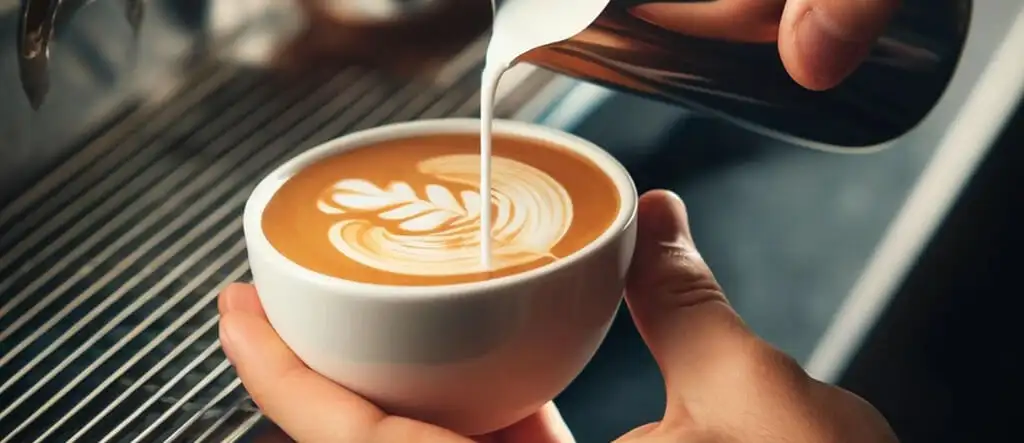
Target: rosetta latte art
{"points": [[434, 231]]}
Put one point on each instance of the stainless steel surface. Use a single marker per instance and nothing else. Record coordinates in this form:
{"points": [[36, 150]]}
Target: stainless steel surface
{"points": [[96, 72], [722, 59], [38, 21], [110, 264], [99, 66], [718, 56]]}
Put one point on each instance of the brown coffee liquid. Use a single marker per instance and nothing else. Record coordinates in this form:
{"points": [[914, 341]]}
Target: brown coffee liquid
{"points": [[406, 212]]}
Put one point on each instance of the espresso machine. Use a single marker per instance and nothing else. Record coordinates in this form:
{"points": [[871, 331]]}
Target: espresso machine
{"points": [[134, 130]]}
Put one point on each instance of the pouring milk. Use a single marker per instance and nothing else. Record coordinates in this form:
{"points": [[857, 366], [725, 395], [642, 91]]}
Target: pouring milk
{"points": [[519, 27]]}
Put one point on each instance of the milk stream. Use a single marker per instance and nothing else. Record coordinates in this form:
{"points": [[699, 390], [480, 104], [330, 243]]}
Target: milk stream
{"points": [[488, 89], [519, 27]]}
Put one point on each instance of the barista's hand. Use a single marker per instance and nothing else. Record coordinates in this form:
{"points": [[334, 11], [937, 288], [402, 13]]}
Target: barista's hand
{"points": [[724, 384], [820, 41], [313, 409], [823, 41]]}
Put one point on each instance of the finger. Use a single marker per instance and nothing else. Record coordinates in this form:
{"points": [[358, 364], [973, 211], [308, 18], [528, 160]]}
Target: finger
{"points": [[545, 426], [822, 41], [304, 404], [678, 307], [240, 297]]}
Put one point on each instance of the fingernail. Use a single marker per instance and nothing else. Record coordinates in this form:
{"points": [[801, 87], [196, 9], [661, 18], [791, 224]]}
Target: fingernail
{"points": [[663, 217], [226, 340], [224, 303], [240, 298], [233, 334], [826, 50]]}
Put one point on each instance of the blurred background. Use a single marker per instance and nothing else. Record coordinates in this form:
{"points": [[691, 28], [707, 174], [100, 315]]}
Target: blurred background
{"points": [[891, 273]]}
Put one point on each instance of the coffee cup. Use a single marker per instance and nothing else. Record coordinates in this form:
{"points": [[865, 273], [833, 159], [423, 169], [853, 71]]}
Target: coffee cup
{"points": [[472, 356]]}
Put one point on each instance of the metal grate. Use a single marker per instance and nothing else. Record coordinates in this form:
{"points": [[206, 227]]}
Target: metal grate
{"points": [[110, 265]]}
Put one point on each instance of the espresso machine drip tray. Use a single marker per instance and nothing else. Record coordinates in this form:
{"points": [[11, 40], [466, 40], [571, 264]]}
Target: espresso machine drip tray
{"points": [[111, 264]]}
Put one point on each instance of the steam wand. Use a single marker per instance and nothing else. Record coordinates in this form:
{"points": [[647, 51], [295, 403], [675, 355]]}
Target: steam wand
{"points": [[38, 21]]}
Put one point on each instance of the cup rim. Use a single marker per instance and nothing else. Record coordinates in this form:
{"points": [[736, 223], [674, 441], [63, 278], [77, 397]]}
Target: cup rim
{"points": [[257, 242]]}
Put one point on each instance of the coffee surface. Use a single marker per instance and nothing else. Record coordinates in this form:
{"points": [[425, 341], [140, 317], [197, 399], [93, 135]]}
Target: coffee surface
{"points": [[407, 212]]}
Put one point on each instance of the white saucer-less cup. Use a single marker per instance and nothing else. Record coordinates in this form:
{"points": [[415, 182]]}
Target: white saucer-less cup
{"points": [[472, 357]]}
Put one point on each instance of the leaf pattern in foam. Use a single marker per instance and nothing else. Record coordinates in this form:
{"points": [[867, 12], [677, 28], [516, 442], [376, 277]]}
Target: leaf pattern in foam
{"points": [[399, 202]]}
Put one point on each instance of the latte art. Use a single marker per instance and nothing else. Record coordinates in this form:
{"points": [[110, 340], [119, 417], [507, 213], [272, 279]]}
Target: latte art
{"points": [[434, 231], [409, 212]]}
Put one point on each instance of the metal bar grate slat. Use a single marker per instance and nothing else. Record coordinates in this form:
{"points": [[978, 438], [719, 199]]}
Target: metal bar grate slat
{"points": [[110, 265]]}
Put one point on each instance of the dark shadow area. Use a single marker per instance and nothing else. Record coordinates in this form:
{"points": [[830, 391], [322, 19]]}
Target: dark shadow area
{"points": [[944, 363], [698, 147], [664, 146]]}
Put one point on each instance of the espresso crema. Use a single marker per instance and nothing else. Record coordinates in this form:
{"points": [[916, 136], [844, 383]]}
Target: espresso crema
{"points": [[408, 212]]}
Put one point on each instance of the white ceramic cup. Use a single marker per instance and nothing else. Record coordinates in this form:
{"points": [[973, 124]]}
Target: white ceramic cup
{"points": [[470, 357]]}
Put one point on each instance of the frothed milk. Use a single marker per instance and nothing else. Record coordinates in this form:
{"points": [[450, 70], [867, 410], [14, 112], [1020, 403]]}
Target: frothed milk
{"points": [[521, 26], [410, 211]]}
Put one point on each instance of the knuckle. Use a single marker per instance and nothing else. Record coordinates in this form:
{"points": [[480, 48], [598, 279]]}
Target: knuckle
{"points": [[752, 362], [779, 369], [269, 397], [853, 418], [682, 277]]}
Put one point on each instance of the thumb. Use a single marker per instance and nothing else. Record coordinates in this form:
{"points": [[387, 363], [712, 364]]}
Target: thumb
{"points": [[678, 307], [822, 41]]}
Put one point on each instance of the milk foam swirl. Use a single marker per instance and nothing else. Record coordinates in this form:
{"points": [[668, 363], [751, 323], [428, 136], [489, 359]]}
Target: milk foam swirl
{"points": [[434, 231]]}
